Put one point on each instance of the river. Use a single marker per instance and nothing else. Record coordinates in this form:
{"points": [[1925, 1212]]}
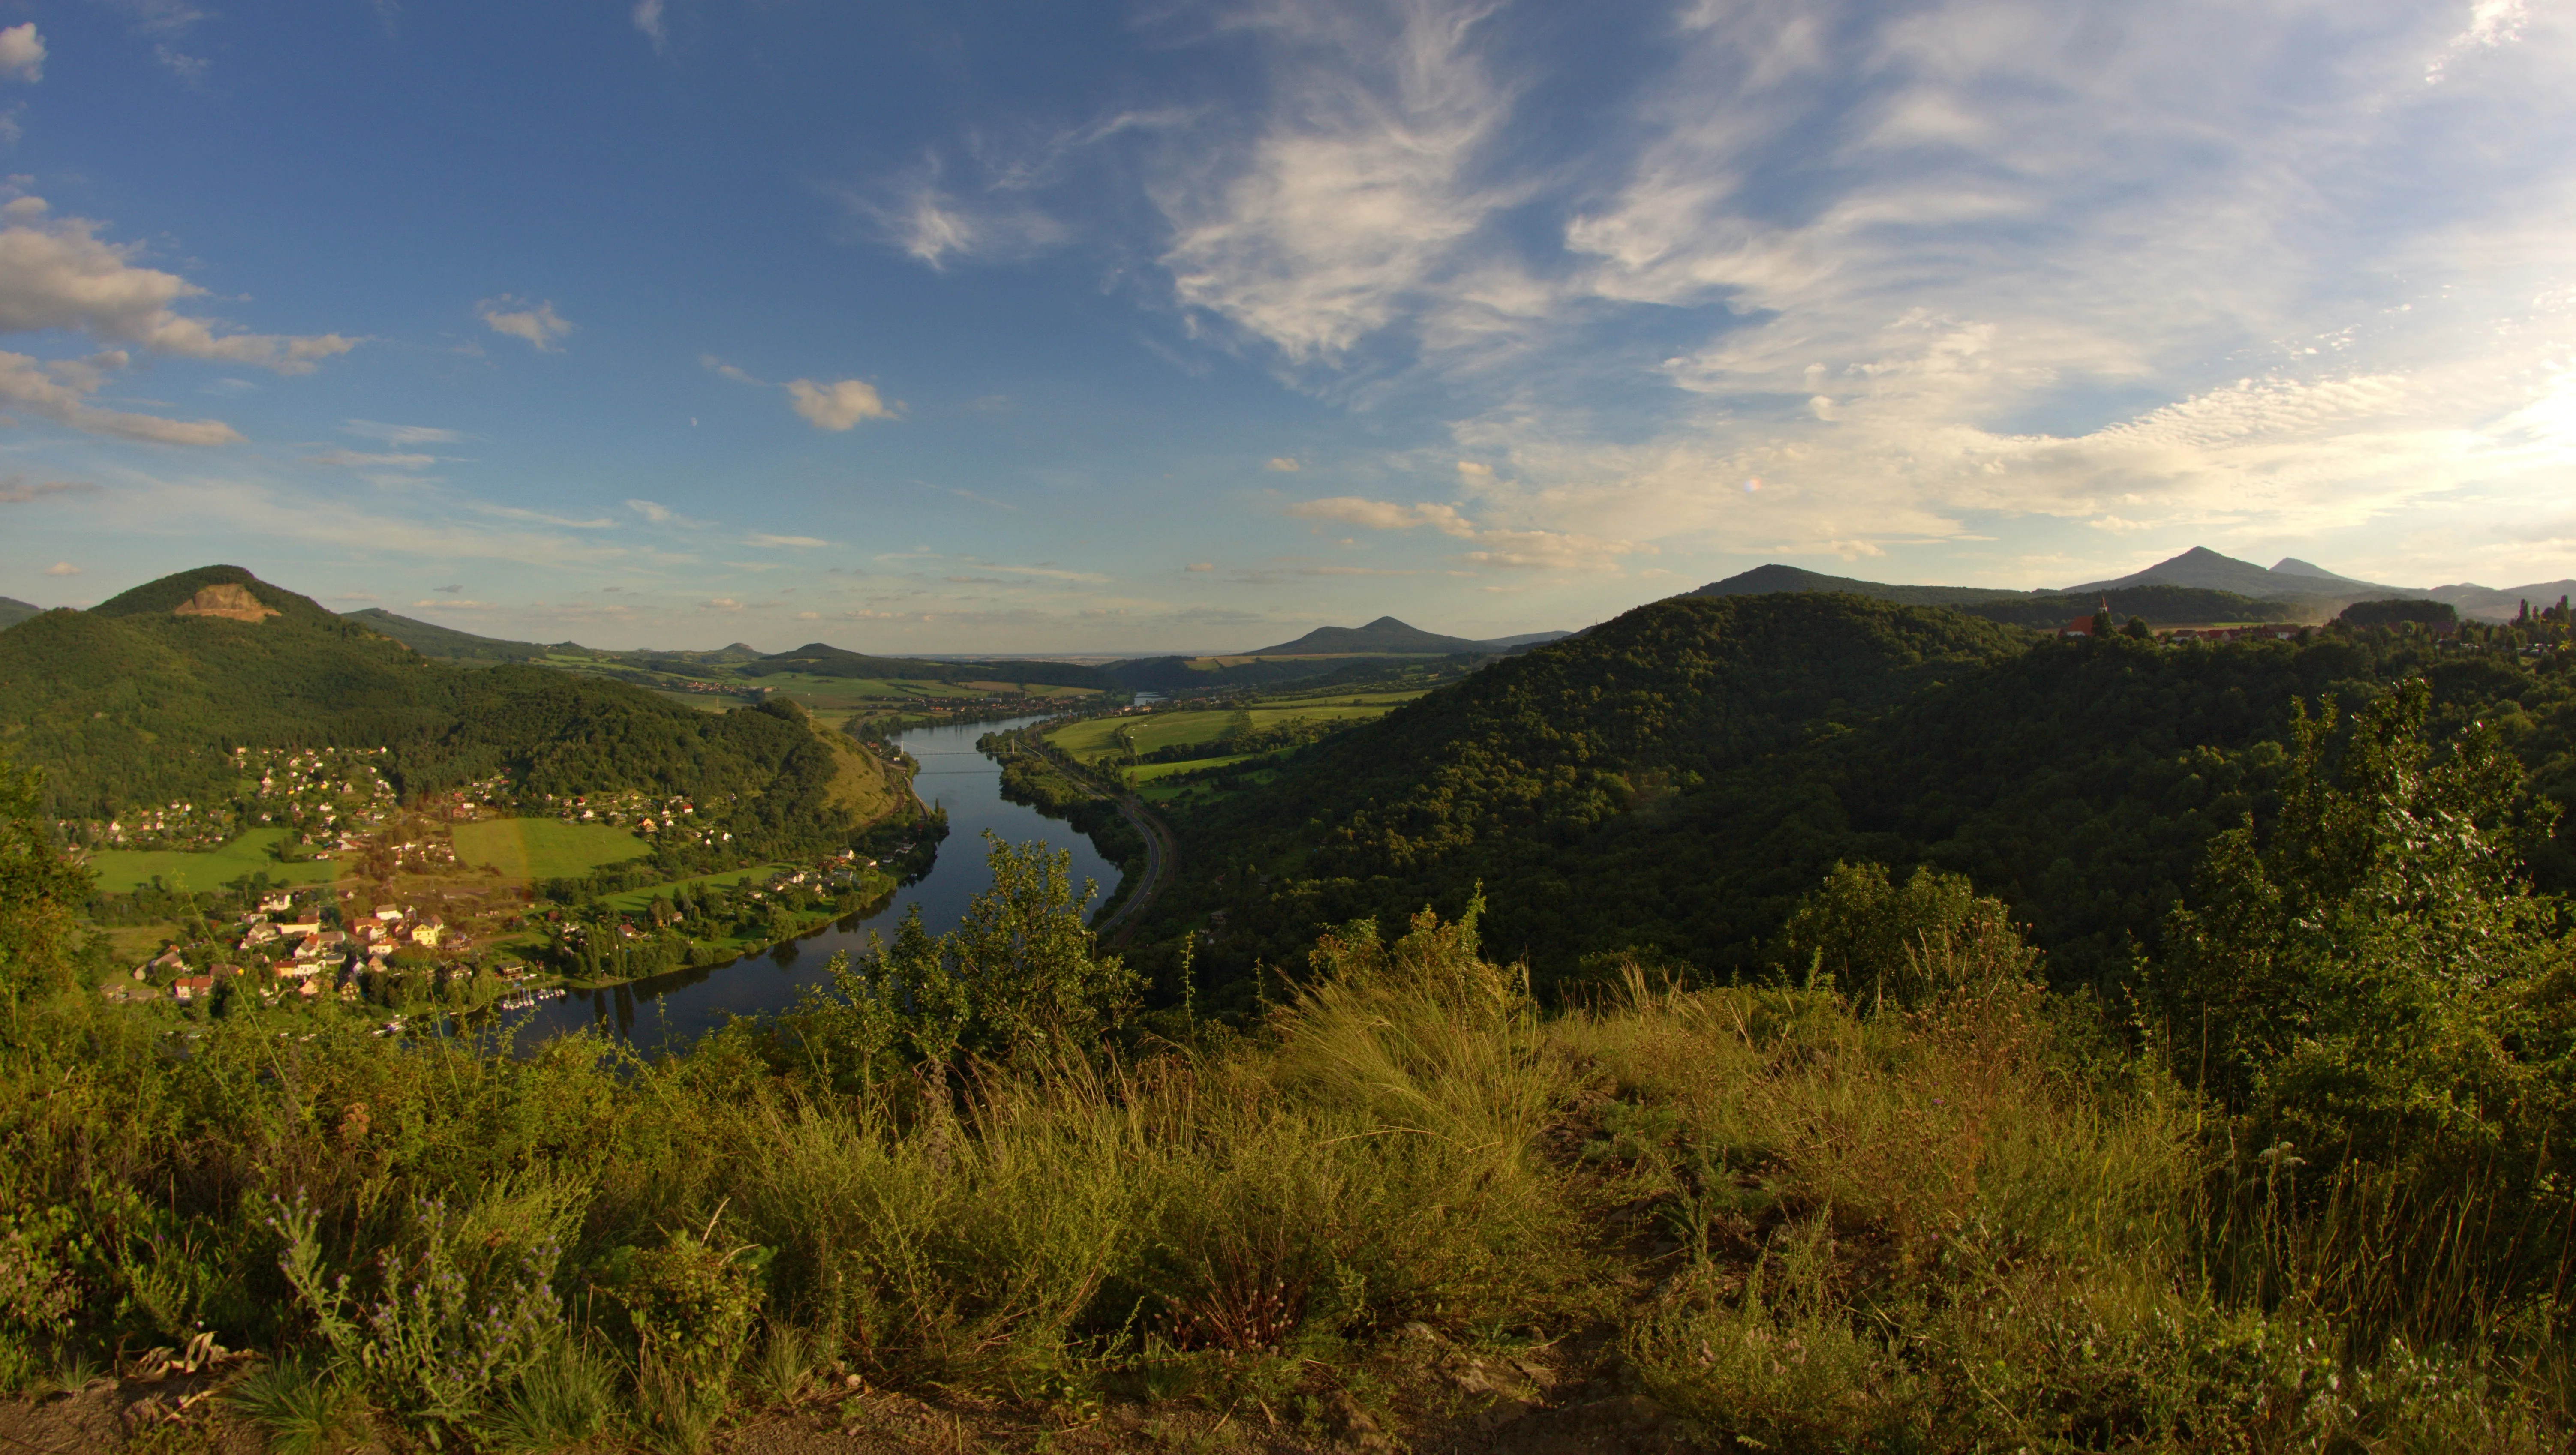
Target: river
{"points": [[674, 1009]]}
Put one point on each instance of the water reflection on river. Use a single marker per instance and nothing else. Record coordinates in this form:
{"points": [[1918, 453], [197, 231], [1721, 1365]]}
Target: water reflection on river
{"points": [[677, 1008]]}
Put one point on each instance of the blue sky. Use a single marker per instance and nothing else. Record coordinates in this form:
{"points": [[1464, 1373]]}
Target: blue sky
{"points": [[1161, 325]]}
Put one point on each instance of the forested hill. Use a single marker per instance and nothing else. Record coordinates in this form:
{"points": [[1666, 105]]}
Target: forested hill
{"points": [[14, 611], [142, 699], [432, 640], [1667, 785], [2162, 604], [1509, 775], [817, 659]]}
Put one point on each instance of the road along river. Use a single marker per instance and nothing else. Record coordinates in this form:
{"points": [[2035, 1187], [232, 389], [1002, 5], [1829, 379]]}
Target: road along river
{"points": [[673, 1009]]}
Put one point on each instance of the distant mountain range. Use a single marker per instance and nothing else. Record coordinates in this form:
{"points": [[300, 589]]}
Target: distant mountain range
{"points": [[814, 658], [2198, 585], [14, 611], [1388, 637]]}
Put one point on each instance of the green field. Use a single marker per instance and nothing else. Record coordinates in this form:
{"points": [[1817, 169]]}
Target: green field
{"points": [[121, 871], [543, 848], [1144, 773], [1095, 738], [643, 898], [1166, 792]]}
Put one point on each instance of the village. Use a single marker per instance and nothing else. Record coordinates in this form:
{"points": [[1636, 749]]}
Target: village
{"points": [[334, 951]]}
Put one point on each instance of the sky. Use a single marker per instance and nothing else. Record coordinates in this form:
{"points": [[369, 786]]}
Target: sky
{"points": [[1164, 326]]}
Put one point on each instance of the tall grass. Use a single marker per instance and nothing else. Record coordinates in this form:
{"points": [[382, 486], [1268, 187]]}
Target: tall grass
{"points": [[1787, 1218]]}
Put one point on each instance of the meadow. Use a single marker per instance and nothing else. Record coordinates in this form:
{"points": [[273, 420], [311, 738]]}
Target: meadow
{"points": [[543, 848], [1092, 740], [634, 900], [121, 871]]}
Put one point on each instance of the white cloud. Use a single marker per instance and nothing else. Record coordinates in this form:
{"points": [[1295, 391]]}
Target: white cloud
{"points": [[362, 460], [1976, 266], [1361, 187], [1383, 515], [935, 226], [22, 53], [400, 434], [538, 323], [60, 391], [62, 568], [650, 510], [165, 23], [2492, 23], [839, 404], [647, 16], [800, 542], [59, 274], [1200, 566], [1284, 464]]}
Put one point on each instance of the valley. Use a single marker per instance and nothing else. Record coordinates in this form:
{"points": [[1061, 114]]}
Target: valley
{"points": [[1808, 928]]}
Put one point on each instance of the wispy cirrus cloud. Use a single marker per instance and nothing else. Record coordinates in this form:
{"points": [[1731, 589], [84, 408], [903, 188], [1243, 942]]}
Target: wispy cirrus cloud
{"points": [[18, 490], [1913, 277], [400, 435]]}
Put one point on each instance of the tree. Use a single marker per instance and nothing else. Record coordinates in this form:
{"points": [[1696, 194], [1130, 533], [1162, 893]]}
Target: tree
{"points": [[40, 891], [1890, 947], [2361, 983], [1021, 977]]}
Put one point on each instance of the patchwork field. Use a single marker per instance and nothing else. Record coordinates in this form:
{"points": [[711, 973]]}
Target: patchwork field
{"points": [[121, 871], [543, 848], [1096, 738]]}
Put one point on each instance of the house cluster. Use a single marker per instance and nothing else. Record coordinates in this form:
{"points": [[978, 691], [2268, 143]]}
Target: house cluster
{"points": [[328, 795], [290, 953], [663, 819], [174, 825]]}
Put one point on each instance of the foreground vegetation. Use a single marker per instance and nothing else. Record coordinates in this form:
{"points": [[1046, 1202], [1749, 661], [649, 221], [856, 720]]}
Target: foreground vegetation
{"points": [[2306, 1192]]}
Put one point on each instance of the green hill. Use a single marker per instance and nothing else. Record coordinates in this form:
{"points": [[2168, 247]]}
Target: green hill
{"points": [[1668, 784], [817, 659], [1383, 637], [1765, 580], [1505, 776], [142, 699], [448, 644], [14, 611]]}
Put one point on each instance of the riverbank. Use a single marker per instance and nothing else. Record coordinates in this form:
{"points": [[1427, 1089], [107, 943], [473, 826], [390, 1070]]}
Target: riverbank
{"points": [[954, 780]]}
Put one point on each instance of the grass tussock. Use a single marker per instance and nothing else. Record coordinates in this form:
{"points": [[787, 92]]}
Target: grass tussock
{"points": [[1794, 1218]]}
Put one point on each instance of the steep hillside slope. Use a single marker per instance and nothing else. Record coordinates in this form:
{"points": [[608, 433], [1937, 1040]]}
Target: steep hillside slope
{"points": [[14, 611], [446, 643]]}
